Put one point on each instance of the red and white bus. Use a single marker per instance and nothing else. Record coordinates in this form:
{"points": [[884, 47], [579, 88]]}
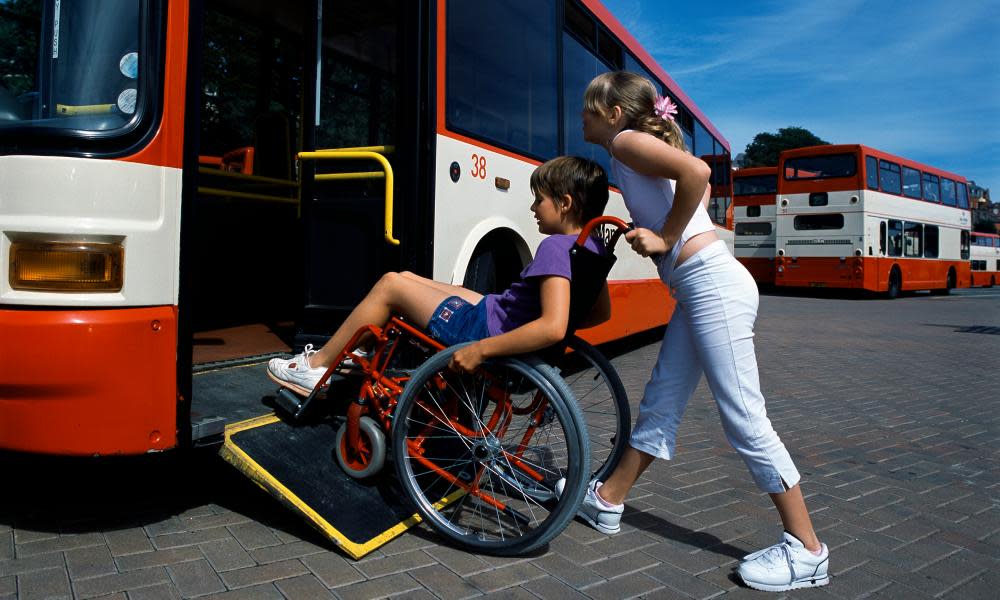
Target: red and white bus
{"points": [[178, 177], [985, 260], [850, 216], [754, 190]]}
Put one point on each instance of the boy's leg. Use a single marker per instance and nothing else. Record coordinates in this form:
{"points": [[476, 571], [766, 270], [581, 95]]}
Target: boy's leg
{"points": [[452, 290], [394, 293]]}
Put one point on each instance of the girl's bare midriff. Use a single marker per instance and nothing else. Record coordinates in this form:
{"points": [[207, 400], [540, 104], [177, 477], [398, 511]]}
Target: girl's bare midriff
{"points": [[693, 245]]}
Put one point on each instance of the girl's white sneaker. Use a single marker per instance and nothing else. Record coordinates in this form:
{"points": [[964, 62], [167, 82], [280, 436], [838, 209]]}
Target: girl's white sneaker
{"points": [[787, 565]]}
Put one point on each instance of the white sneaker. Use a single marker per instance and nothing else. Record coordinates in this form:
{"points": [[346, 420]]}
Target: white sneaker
{"points": [[787, 565], [295, 373], [594, 511]]}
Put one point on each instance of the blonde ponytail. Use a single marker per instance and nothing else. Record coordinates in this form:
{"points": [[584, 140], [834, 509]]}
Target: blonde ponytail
{"points": [[637, 97]]}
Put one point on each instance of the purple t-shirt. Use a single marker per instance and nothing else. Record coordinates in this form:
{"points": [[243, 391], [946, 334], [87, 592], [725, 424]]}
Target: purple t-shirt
{"points": [[522, 302]]}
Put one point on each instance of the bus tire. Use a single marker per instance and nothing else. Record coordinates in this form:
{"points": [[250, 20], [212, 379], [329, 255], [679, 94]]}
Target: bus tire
{"points": [[895, 284], [491, 269], [948, 285]]}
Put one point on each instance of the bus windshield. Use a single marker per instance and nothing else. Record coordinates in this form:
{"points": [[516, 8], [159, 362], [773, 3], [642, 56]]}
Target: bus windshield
{"points": [[69, 65], [820, 167], [758, 184]]}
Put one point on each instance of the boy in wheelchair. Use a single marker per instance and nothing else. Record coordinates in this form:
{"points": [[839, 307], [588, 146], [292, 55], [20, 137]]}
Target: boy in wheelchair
{"points": [[533, 314]]}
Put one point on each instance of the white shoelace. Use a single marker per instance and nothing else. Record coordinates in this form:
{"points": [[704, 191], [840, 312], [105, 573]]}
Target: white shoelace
{"points": [[771, 557]]}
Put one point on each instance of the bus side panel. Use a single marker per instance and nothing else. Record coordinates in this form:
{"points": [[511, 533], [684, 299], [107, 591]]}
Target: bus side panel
{"points": [[635, 306], [88, 382]]}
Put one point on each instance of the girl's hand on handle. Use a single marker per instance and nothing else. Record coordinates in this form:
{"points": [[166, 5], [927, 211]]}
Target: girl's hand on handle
{"points": [[646, 242]]}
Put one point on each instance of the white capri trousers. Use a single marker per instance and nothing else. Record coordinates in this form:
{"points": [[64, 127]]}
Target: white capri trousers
{"points": [[711, 331]]}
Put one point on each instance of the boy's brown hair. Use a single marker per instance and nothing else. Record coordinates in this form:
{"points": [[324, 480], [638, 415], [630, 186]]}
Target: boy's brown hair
{"points": [[584, 180]]}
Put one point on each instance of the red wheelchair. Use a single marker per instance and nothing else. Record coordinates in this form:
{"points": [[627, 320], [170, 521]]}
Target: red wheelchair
{"points": [[479, 453]]}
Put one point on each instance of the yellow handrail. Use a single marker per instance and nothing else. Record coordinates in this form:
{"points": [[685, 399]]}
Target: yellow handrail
{"points": [[350, 154]]}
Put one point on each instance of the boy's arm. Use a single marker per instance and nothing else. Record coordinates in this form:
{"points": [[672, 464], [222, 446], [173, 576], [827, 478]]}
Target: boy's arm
{"points": [[601, 311], [548, 329]]}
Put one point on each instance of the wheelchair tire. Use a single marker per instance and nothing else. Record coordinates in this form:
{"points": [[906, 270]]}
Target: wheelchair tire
{"points": [[602, 399], [480, 454], [370, 460]]}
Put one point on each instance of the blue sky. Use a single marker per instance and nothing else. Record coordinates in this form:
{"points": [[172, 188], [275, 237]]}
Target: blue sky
{"points": [[920, 78]]}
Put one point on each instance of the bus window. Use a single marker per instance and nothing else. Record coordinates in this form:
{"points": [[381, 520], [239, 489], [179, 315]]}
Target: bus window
{"points": [[963, 196], [704, 144], [895, 237], [913, 234], [817, 222], [871, 172], [965, 245], [930, 241], [753, 211], [911, 183], [757, 184], [881, 238], [888, 177], [753, 229], [948, 195], [511, 102], [932, 190], [580, 65], [820, 167]]}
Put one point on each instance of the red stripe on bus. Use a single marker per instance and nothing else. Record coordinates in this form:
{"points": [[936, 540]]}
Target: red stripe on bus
{"points": [[86, 381], [636, 306]]}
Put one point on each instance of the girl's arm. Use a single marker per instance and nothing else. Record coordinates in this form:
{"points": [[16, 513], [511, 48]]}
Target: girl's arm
{"points": [[648, 155], [546, 330]]}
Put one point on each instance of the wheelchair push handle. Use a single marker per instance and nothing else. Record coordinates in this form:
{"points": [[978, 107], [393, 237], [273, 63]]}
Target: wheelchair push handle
{"points": [[621, 227]]}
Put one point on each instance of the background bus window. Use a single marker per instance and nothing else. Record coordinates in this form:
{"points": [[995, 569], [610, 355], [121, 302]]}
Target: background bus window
{"points": [[753, 211], [895, 237], [704, 143], [911, 183], [871, 172], [913, 234], [818, 222], [881, 238], [963, 196], [357, 93], [964, 245], [758, 184], [948, 195], [753, 229], [932, 191], [930, 241], [492, 95], [820, 167], [888, 177]]}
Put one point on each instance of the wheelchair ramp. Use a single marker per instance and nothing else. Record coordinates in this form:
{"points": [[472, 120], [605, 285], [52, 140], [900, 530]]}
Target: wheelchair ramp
{"points": [[295, 464]]}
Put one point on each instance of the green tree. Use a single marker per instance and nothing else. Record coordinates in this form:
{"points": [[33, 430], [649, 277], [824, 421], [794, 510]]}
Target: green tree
{"points": [[765, 148]]}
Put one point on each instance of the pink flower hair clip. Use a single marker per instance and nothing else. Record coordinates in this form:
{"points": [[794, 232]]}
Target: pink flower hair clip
{"points": [[665, 108]]}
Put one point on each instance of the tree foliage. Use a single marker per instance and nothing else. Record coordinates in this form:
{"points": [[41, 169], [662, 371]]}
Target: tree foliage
{"points": [[766, 147]]}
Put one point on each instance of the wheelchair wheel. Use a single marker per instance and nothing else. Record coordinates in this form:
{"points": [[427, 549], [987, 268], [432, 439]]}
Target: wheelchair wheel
{"points": [[368, 459], [601, 396], [480, 454]]}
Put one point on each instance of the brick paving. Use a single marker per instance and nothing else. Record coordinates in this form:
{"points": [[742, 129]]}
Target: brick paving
{"points": [[889, 409]]}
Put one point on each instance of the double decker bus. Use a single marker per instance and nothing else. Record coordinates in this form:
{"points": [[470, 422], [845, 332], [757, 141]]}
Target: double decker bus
{"points": [[177, 177], [754, 190], [850, 216], [984, 260]]}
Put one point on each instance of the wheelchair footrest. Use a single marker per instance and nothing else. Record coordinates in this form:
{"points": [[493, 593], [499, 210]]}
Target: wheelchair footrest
{"points": [[294, 462]]}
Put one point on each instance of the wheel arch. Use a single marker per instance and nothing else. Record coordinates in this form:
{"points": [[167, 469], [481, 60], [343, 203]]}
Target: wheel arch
{"points": [[495, 230]]}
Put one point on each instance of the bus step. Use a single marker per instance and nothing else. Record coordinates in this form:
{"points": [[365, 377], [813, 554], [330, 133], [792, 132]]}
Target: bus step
{"points": [[207, 429]]}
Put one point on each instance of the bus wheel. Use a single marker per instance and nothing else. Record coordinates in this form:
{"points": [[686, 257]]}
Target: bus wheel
{"points": [[492, 269], [948, 286], [895, 284]]}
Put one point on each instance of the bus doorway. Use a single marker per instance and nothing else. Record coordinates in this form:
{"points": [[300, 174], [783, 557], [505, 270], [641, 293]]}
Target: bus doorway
{"points": [[278, 249]]}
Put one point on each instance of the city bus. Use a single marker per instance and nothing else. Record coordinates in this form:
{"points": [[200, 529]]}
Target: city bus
{"points": [[984, 260], [754, 190], [189, 186], [850, 216]]}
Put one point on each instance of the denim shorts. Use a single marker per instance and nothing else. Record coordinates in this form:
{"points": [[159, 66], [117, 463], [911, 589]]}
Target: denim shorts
{"points": [[456, 320]]}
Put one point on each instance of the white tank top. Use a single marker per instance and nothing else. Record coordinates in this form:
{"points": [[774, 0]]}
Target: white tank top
{"points": [[649, 201]]}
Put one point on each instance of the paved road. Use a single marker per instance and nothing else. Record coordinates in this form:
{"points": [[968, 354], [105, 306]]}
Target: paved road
{"points": [[889, 408]]}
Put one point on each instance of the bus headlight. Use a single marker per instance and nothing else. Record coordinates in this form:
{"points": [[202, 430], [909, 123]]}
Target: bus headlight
{"points": [[66, 266]]}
